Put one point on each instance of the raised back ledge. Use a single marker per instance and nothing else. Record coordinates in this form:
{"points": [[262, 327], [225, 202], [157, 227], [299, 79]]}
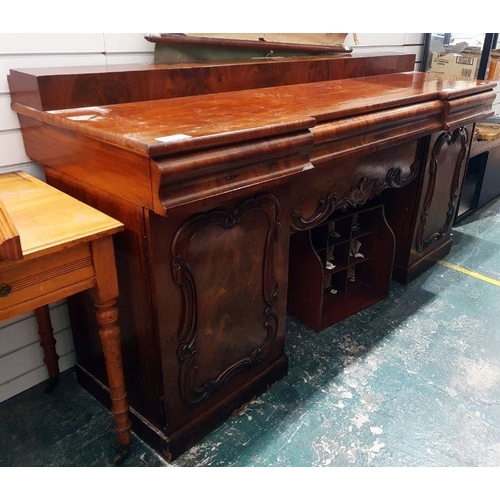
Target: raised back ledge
{"points": [[121, 68], [80, 86]]}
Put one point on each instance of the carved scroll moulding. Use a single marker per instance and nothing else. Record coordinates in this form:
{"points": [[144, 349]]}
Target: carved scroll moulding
{"points": [[252, 227], [366, 189]]}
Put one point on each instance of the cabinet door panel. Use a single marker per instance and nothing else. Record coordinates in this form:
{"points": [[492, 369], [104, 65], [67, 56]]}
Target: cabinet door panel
{"points": [[441, 189], [220, 284], [223, 263]]}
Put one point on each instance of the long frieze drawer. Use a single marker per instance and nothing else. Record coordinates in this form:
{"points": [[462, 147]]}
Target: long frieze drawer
{"points": [[38, 281]]}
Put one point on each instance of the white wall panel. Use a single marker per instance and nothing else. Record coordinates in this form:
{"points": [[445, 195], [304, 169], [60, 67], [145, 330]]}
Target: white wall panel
{"points": [[9, 322], [367, 49], [18, 335], [50, 43], [375, 39], [414, 38], [16, 363], [8, 119], [23, 330], [12, 148], [21, 357], [400, 43], [127, 42], [33, 377], [139, 58], [414, 49], [30, 168]]}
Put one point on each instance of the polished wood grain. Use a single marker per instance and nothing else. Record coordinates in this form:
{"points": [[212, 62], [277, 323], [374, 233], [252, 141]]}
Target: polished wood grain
{"points": [[211, 168], [67, 248], [49, 220], [72, 87], [206, 121], [10, 244]]}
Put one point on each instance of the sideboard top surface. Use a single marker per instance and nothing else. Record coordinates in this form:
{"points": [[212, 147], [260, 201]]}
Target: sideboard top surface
{"points": [[166, 126]]}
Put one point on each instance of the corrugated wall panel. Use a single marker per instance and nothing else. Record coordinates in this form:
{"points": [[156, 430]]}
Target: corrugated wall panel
{"points": [[21, 331], [14, 363], [8, 119], [51, 43], [12, 148], [127, 43], [33, 377], [21, 356]]}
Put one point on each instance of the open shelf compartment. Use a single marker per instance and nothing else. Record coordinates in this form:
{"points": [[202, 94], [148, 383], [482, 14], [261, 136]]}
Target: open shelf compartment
{"points": [[340, 267]]}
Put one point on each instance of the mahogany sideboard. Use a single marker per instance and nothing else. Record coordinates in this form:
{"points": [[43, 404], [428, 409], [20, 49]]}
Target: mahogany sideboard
{"points": [[212, 168]]}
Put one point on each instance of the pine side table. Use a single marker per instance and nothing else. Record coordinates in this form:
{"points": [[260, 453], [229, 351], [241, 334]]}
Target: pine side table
{"points": [[53, 246]]}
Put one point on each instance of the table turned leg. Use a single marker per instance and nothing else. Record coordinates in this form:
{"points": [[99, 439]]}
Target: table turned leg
{"points": [[107, 317], [105, 295], [48, 343]]}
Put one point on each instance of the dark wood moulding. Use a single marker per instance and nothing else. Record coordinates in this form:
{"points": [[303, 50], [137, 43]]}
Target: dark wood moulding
{"points": [[239, 44]]}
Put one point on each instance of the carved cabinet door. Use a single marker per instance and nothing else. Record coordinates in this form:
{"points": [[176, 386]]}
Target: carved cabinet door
{"points": [[221, 298], [448, 152]]}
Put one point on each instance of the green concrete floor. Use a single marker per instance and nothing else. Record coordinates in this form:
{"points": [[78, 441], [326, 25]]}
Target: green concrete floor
{"points": [[412, 381]]}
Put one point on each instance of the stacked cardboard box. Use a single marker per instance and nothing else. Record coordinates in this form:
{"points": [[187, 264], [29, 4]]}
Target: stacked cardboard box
{"points": [[463, 65]]}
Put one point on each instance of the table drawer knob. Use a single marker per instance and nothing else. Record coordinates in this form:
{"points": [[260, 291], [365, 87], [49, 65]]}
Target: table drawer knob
{"points": [[5, 290]]}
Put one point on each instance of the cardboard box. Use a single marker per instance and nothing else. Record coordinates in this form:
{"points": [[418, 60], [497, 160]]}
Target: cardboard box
{"points": [[464, 66], [493, 70], [494, 65]]}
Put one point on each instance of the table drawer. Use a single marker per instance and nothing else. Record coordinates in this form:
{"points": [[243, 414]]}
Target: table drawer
{"points": [[27, 285]]}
